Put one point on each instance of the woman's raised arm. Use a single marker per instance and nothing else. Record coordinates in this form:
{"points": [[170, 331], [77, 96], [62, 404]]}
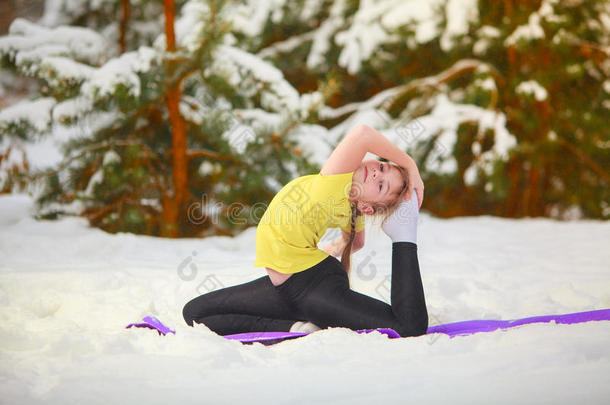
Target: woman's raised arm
{"points": [[349, 153]]}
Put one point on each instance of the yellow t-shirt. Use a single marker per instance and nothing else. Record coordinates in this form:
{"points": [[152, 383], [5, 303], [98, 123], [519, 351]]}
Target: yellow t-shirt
{"points": [[298, 216]]}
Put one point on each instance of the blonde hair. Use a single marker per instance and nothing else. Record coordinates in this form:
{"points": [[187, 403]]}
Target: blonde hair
{"points": [[382, 209]]}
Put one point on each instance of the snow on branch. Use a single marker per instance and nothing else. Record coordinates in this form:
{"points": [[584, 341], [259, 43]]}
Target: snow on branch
{"points": [[532, 88], [251, 16], [375, 23], [24, 115], [71, 109], [458, 68], [251, 74], [442, 125], [28, 43], [533, 30], [58, 71], [121, 71]]}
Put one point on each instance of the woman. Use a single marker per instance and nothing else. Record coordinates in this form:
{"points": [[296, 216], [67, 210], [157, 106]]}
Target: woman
{"points": [[307, 288]]}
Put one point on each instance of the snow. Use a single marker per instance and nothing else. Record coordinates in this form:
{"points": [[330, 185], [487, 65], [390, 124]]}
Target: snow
{"points": [[36, 114], [12, 158], [321, 41], [97, 178], [239, 136], [422, 17], [248, 72], [72, 108], [250, 17], [532, 88], [443, 121], [207, 168], [54, 69], [310, 8], [363, 36], [315, 141], [62, 11], [487, 31], [67, 292], [190, 26], [488, 84], [530, 31], [82, 44], [366, 31], [110, 157], [460, 15], [439, 126], [533, 29], [375, 22], [121, 71]]}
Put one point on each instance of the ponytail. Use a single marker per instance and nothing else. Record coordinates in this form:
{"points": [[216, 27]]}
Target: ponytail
{"points": [[347, 251]]}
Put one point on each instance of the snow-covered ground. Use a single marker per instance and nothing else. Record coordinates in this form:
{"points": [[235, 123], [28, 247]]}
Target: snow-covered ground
{"points": [[67, 291]]}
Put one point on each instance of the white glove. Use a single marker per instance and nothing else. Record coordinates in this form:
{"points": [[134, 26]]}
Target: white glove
{"points": [[401, 226]]}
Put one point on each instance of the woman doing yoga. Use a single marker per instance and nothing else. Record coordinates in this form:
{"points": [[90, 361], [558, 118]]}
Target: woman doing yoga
{"points": [[308, 288]]}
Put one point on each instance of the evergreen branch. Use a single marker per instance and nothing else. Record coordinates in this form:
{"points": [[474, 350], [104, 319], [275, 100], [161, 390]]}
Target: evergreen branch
{"points": [[158, 182], [591, 46], [90, 169], [103, 145], [193, 64], [585, 159], [146, 207], [457, 69], [286, 45], [325, 92], [94, 216], [193, 153]]}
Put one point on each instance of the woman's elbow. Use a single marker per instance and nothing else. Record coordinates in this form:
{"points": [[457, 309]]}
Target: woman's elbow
{"points": [[360, 132], [363, 128]]}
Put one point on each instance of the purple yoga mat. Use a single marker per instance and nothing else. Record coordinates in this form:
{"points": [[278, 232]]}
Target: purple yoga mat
{"points": [[151, 322], [465, 328], [462, 328], [278, 336]]}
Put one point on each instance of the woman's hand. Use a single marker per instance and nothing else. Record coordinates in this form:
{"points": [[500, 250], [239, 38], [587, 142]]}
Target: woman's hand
{"points": [[335, 248], [415, 183]]}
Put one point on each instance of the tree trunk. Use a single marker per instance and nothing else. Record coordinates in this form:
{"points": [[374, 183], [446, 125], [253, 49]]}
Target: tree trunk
{"points": [[123, 25], [173, 205], [512, 199], [533, 203]]}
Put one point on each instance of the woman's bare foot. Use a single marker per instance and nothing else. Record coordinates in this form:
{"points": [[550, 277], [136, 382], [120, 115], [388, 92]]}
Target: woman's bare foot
{"points": [[306, 327]]}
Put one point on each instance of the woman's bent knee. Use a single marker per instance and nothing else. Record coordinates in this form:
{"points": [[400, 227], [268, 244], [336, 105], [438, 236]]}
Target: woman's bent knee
{"points": [[198, 307], [193, 310], [187, 315]]}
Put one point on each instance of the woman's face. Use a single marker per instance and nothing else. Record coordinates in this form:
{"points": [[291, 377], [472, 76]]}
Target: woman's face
{"points": [[373, 182]]}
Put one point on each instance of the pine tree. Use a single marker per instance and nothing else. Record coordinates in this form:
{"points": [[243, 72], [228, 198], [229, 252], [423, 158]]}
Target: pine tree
{"points": [[126, 24], [553, 58], [120, 171], [501, 104]]}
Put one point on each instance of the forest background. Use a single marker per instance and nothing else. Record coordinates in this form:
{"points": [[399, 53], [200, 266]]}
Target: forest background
{"points": [[184, 118]]}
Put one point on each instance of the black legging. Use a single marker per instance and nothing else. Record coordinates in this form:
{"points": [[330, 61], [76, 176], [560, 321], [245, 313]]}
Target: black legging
{"points": [[320, 295]]}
